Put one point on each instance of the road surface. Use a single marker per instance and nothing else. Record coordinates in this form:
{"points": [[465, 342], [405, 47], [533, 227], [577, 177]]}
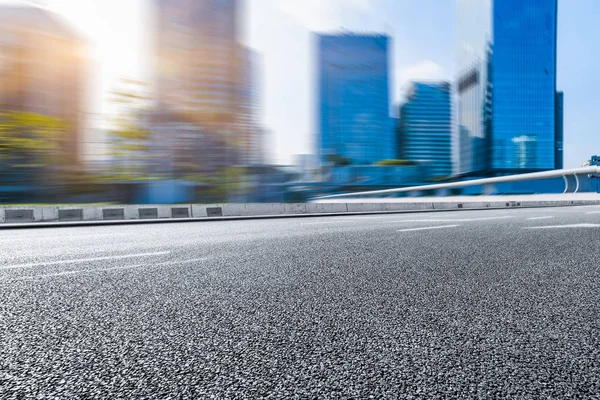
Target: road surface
{"points": [[469, 304]]}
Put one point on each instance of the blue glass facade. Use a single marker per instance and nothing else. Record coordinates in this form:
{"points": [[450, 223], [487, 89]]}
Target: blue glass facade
{"points": [[559, 131], [353, 98], [507, 100], [425, 128]]}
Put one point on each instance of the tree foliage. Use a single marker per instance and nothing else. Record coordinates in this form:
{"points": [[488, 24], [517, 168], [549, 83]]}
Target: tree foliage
{"points": [[30, 144], [390, 163]]}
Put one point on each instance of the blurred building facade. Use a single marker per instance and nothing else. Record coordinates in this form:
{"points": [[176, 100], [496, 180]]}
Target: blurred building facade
{"points": [[42, 70], [353, 98], [204, 80], [425, 127], [506, 87], [253, 152], [559, 121]]}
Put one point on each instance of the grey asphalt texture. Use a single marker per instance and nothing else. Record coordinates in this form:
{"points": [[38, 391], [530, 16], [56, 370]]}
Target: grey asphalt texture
{"points": [[488, 304]]}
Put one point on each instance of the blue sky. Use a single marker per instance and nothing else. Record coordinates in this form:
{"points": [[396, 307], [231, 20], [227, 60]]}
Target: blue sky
{"points": [[423, 34]]}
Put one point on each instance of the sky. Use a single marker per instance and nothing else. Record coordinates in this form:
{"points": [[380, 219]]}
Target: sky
{"points": [[281, 31]]}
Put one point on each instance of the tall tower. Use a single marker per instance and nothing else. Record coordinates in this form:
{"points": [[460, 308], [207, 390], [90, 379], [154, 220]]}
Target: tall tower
{"points": [[506, 87], [425, 127], [199, 77], [353, 98]]}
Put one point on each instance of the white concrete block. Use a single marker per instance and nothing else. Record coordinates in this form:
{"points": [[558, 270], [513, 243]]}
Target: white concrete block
{"points": [[237, 209], [326, 208], [50, 213], [130, 211], [198, 211], [294, 208], [163, 211], [445, 206], [365, 207]]}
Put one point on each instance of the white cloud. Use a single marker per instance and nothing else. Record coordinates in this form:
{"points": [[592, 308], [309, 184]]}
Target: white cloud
{"points": [[320, 15], [425, 70]]}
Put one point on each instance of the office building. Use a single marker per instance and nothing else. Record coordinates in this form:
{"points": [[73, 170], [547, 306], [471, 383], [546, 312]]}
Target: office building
{"points": [[559, 156], [353, 115], [42, 70], [250, 110], [198, 75], [425, 127], [506, 87]]}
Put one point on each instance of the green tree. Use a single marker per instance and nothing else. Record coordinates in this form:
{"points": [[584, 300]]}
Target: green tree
{"points": [[391, 163], [130, 105], [31, 148]]}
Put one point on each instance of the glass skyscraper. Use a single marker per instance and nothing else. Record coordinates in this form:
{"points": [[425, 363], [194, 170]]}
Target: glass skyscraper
{"points": [[425, 127], [508, 105], [353, 99]]}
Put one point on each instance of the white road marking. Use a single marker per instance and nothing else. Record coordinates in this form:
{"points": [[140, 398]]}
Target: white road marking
{"points": [[536, 218], [449, 220], [428, 228], [39, 264], [93, 270], [593, 212], [564, 226]]}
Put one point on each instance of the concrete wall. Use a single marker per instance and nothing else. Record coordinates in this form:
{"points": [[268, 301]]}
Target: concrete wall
{"points": [[76, 213]]}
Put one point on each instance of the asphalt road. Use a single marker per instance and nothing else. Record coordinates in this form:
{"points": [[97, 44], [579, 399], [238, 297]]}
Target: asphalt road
{"points": [[469, 304]]}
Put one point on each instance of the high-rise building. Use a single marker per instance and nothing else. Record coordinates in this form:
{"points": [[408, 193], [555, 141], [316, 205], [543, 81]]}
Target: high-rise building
{"points": [[43, 70], [506, 86], [425, 127], [559, 156], [353, 113], [199, 74], [250, 117]]}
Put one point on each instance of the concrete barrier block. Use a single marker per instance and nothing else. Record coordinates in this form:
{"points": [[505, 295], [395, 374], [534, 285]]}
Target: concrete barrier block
{"points": [[326, 208], [445, 206], [90, 213], [148, 213], [163, 211], [236, 209], [365, 207], [130, 212], [199, 210], [475, 204], [15, 215], [181, 211], [294, 208], [51, 213], [115, 213], [265, 209], [69, 214]]}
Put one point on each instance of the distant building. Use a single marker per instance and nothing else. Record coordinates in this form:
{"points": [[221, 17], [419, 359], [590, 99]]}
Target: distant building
{"points": [[252, 151], [353, 98], [508, 108], [559, 148], [199, 68], [425, 127], [43, 70]]}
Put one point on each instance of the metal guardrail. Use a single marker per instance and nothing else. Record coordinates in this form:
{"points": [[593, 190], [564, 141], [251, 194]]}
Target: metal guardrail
{"points": [[564, 173]]}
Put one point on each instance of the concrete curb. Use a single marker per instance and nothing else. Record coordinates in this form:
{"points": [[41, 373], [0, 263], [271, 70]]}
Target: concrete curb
{"points": [[74, 216]]}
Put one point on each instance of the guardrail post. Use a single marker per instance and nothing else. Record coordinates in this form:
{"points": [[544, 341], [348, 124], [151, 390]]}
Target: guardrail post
{"points": [[576, 180], [566, 184]]}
